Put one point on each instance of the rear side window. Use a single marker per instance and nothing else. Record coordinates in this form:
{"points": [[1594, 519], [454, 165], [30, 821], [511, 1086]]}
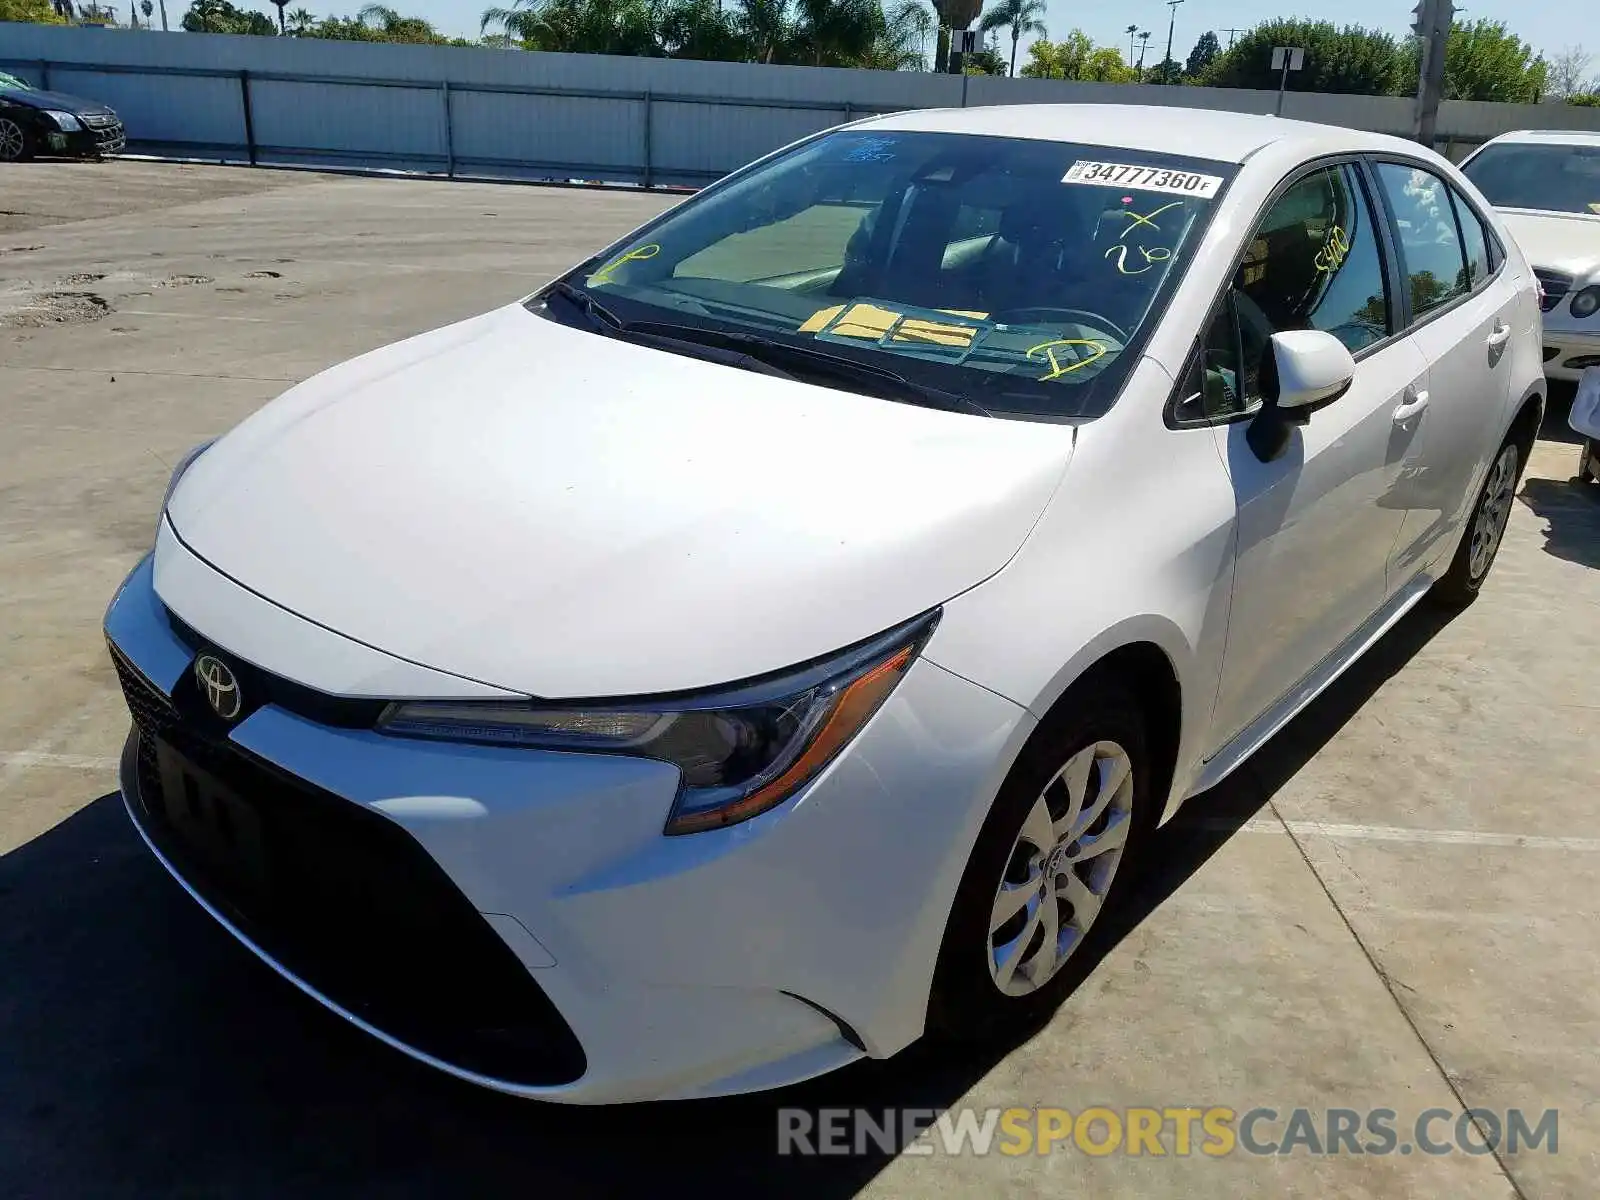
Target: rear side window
{"points": [[1433, 260], [1473, 240]]}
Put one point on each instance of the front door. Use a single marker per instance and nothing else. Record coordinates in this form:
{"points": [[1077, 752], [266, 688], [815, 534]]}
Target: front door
{"points": [[1315, 528]]}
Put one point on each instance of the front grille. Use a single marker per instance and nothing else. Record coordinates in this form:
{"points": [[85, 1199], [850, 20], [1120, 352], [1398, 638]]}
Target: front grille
{"points": [[1553, 285], [98, 120], [343, 897]]}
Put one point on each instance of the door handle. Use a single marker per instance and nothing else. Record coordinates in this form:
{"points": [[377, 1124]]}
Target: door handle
{"points": [[1500, 336], [1416, 400]]}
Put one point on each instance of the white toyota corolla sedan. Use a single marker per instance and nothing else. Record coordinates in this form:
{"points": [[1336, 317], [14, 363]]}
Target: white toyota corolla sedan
{"points": [[779, 637], [1547, 188]]}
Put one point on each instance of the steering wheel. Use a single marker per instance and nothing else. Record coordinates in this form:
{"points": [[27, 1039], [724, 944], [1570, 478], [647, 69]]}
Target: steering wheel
{"points": [[1046, 312]]}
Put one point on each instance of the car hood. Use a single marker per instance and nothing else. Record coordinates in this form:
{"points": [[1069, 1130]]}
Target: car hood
{"points": [[565, 515], [59, 101], [1565, 242]]}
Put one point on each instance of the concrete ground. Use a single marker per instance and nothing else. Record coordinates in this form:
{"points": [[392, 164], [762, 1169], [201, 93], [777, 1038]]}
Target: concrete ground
{"points": [[1393, 906]]}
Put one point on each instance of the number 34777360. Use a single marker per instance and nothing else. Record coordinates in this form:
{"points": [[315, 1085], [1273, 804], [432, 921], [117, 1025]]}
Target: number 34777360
{"points": [[1146, 179]]}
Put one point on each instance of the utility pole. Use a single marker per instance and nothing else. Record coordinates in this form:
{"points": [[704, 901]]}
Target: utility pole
{"points": [[1233, 35], [1172, 21], [1432, 28]]}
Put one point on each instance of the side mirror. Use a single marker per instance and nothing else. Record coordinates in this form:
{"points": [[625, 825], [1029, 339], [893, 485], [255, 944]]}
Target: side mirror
{"points": [[1314, 370], [1307, 370]]}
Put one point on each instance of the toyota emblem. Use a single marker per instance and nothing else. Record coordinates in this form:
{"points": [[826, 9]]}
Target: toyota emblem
{"points": [[219, 685]]}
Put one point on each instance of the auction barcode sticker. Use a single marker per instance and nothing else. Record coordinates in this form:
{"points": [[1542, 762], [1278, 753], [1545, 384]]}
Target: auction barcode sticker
{"points": [[1145, 179]]}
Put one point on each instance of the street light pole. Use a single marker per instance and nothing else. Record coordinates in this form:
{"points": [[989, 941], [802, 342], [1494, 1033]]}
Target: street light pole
{"points": [[1172, 21]]}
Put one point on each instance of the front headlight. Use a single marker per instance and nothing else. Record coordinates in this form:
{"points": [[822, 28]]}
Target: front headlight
{"points": [[740, 751], [1586, 302], [65, 121]]}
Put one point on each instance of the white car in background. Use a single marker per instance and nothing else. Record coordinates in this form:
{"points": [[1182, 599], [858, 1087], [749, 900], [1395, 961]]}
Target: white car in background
{"points": [[1546, 186], [780, 636]]}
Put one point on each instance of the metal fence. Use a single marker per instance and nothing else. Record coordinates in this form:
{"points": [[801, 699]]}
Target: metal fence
{"points": [[506, 113]]}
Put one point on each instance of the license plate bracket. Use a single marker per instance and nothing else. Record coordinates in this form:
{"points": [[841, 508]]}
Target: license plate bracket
{"points": [[222, 829]]}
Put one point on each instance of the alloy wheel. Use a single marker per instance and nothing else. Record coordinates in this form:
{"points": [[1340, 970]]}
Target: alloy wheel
{"points": [[1060, 868], [12, 140], [1494, 511]]}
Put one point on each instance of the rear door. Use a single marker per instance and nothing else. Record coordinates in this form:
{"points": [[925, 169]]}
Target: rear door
{"points": [[1315, 528], [1461, 312]]}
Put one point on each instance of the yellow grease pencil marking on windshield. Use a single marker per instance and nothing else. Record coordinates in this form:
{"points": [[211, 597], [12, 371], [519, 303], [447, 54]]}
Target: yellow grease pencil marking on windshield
{"points": [[1152, 256], [603, 275], [1056, 369], [1147, 219]]}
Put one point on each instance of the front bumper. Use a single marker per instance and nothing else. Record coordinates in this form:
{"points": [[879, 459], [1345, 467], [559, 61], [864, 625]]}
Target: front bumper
{"points": [[1567, 352], [86, 142], [517, 919]]}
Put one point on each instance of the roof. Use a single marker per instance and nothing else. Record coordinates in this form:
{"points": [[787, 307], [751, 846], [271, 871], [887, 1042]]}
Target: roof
{"points": [[1161, 129], [1556, 137]]}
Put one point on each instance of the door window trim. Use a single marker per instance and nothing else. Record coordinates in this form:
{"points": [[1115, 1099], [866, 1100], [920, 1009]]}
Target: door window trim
{"points": [[1382, 223]]}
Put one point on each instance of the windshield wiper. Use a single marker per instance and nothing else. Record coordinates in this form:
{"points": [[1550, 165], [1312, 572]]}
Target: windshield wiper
{"points": [[803, 361], [601, 317]]}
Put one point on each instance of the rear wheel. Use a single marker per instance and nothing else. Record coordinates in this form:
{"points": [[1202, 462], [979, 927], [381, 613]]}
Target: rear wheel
{"points": [[16, 143], [1486, 527], [1056, 852]]}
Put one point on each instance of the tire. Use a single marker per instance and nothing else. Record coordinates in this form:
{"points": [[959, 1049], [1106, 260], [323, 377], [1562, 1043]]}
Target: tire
{"points": [[1097, 731], [1589, 461], [1485, 528], [16, 140]]}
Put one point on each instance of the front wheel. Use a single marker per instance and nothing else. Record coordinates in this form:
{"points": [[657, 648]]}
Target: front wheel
{"points": [[1057, 850], [1486, 528], [16, 143]]}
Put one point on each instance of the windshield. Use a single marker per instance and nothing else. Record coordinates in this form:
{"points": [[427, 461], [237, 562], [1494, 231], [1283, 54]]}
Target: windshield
{"points": [[13, 84], [1538, 175], [1014, 273]]}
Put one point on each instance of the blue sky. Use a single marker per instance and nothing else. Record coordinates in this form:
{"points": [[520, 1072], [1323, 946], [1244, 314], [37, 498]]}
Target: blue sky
{"points": [[1539, 22]]}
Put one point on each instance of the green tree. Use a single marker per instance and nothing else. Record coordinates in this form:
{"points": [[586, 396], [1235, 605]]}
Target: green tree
{"points": [[837, 33], [220, 16], [1485, 61], [37, 12], [765, 26], [301, 22], [1168, 70], [1203, 55], [1352, 60], [1020, 17], [1077, 57]]}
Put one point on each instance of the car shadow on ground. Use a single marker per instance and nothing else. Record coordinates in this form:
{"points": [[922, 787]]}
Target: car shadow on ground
{"points": [[145, 1053], [1571, 512]]}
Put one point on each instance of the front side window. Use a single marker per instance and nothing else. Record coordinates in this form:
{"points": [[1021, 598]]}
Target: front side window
{"points": [[1432, 258], [1016, 273], [1538, 175], [1313, 263]]}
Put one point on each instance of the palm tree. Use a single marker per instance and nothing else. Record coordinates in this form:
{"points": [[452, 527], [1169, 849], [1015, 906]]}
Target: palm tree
{"points": [[839, 32], [910, 25], [301, 22], [765, 25], [1021, 16]]}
